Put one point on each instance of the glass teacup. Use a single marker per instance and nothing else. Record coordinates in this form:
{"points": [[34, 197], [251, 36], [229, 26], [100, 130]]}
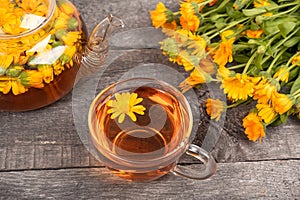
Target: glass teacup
{"points": [[141, 127]]}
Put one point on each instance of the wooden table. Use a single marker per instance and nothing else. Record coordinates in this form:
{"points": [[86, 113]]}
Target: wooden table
{"points": [[42, 156]]}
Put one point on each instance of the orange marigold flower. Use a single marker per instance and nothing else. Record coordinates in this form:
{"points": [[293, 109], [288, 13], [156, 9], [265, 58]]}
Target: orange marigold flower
{"points": [[281, 102], [36, 7], [296, 60], [238, 87], [58, 68], [254, 34], [17, 88], [3, 85], [213, 2], [159, 16], [47, 72], [223, 72], [172, 25], [71, 38], [14, 85], [282, 74], [228, 34], [32, 78], [61, 21], [261, 3], [190, 22], [254, 128], [67, 8], [186, 61], [197, 43], [197, 76], [268, 14], [187, 8], [266, 112], [224, 52], [12, 25], [5, 61], [263, 91], [215, 108]]}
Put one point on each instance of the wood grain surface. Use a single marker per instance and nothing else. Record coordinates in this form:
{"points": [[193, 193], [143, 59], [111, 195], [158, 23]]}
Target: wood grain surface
{"points": [[245, 180], [42, 156]]}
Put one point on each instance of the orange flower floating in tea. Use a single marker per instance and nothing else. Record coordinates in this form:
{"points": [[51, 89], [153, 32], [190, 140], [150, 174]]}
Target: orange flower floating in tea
{"points": [[125, 104]]}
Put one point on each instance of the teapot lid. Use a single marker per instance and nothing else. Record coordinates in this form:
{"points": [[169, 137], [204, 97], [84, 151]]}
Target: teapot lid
{"points": [[23, 17]]}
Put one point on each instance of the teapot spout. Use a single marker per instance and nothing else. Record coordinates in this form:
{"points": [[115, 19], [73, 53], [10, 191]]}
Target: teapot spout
{"points": [[96, 49]]}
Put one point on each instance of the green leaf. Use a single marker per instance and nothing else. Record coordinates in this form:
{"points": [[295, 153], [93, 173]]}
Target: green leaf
{"points": [[294, 73], [241, 58], [296, 85], [269, 51], [290, 84], [254, 11], [286, 27], [254, 26], [220, 24], [233, 13], [277, 122], [284, 118], [258, 61], [292, 42], [270, 27]]}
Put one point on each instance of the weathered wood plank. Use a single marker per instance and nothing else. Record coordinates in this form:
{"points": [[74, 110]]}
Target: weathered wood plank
{"points": [[133, 13], [251, 180], [19, 157]]}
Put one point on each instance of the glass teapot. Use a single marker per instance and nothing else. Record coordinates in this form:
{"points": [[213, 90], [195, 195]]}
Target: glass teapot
{"points": [[42, 45]]}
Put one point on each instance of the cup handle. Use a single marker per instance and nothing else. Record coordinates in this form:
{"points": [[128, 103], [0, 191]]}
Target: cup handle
{"points": [[207, 160]]}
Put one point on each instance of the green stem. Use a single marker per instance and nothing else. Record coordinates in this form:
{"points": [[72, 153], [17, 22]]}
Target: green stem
{"points": [[229, 27], [237, 66], [294, 65], [296, 93], [216, 9], [272, 35], [210, 32], [265, 59], [287, 38], [238, 103], [283, 13], [249, 62], [275, 59], [278, 35], [290, 60], [283, 6]]}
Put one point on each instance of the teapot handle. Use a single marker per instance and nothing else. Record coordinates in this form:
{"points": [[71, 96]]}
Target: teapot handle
{"points": [[96, 50]]}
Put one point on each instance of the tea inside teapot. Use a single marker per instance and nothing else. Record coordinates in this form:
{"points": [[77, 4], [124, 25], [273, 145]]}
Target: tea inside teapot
{"points": [[42, 45]]}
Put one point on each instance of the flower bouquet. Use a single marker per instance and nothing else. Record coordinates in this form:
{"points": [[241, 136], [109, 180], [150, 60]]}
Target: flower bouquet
{"points": [[250, 47]]}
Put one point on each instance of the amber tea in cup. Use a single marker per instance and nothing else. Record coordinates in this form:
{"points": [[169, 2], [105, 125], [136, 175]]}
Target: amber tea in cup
{"points": [[141, 127]]}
